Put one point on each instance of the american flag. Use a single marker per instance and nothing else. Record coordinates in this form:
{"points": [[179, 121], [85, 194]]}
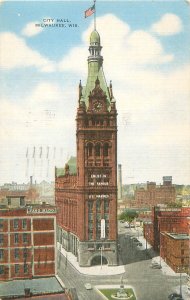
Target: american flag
{"points": [[89, 11]]}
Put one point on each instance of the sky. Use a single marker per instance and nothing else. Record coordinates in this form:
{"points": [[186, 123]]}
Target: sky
{"points": [[146, 51]]}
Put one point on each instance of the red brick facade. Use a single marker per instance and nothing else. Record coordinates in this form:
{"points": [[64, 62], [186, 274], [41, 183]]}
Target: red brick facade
{"points": [[174, 249], [86, 193], [154, 195], [27, 242], [165, 219]]}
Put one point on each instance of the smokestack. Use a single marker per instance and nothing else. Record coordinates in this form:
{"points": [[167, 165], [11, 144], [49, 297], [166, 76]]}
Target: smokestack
{"points": [[119, 182], [31, 181]]}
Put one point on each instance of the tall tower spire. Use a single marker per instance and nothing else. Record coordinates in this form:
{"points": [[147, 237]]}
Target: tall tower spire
{"points": [[95, 70]]}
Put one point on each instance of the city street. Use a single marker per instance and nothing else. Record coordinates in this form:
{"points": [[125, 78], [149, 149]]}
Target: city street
{"points": [[148, 283]]}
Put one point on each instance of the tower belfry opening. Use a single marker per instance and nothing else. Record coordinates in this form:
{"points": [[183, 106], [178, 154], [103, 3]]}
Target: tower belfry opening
{"points": [[86, 189]]}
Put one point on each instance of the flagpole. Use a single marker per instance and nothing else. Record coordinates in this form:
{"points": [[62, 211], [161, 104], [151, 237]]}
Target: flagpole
{"points": [[94, 14]]}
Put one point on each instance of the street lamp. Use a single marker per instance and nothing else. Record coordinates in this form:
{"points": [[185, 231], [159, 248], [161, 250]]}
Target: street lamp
{"points": [[159, 247], [146, 242], [180, 279], [101, 256]]}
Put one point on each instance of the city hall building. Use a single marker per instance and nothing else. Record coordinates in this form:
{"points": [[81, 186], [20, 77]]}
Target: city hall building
{"points": [[86, 188]]}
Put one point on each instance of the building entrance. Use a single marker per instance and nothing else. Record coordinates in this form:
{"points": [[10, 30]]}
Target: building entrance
{"points": [[97, 261]]}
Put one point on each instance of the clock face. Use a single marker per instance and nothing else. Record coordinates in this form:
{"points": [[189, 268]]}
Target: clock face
{"points": [[97, 106]]}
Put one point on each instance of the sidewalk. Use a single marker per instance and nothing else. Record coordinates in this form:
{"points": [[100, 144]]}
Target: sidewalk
{"points": [[166, 270], [94, 270]]}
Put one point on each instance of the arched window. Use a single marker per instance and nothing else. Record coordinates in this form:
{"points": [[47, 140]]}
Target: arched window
{"points": [[97, 150], [105, 149], [89, 150]]}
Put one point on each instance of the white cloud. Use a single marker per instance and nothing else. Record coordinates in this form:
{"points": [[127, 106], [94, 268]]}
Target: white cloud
{"points": [[112, 35], [149, 97], [45, 93], [169, 24], [38, 117], [31, 29], [23, 56], [44, 118], [143, 48], [156, 137], [77, 55], [121, 46]]}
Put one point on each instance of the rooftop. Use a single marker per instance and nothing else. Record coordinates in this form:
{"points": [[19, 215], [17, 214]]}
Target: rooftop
{"points": [[38, 286], [72, 164], [179, 236]]}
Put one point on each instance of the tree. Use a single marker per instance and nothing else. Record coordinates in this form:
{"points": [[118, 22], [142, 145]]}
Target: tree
{"points": [[175, 204], [128, 216]]}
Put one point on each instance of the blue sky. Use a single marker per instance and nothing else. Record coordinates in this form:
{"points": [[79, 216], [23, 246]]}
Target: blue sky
{"points": [[146, 54]]}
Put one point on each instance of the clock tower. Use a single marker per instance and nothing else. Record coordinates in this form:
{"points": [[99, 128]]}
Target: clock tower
{"points": [[97, 163], [86, 189]]}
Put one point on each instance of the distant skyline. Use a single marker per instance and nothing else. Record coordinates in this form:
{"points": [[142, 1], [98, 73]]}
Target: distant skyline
{"points": [[146, 51]]}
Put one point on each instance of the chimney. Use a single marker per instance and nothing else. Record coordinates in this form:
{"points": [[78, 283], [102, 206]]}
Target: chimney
{"points": [[31, 183]]}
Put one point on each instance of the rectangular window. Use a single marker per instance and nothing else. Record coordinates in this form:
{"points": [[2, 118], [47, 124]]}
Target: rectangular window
{"points": [[90, 235], [90, 226], [91, 246], [106, 216], [1, 254], [16, 269], [15, 223], [98, 235], [90, 206], [106, 206], [24, 223], [107, 229], [25, 238], [16, 238], [98, 217], [1, 238], [1, 224], [98, 206], [107, 246], [16, 252], [25, 254], [25, 268], [1, 269], [22, 202], [90, 217]]}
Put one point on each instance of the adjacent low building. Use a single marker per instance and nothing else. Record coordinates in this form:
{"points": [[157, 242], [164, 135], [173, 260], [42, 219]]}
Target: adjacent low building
{"points": [[174, 249], [166, 219], [27, 240]]}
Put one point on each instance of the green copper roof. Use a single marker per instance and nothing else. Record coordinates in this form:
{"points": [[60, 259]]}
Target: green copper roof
{"points": [[60, 172], [72, 163], [94, 37], [95, 70]]}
